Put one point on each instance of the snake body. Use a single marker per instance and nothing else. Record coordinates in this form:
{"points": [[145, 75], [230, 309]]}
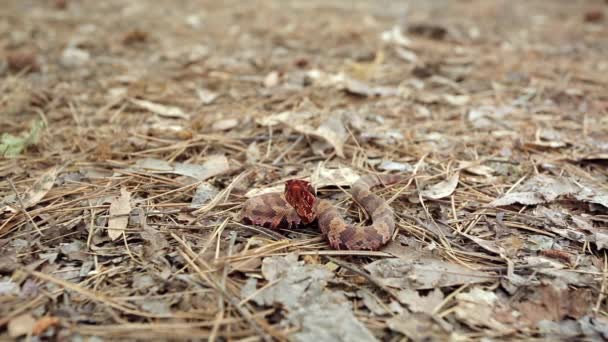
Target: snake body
{"points": [[273, 210]]}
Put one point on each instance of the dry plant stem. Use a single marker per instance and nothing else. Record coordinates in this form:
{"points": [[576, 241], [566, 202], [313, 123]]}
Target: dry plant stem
{"points": [[287, 150], [600, 298], [92, 295], [23, 209], [220, 314], [219, 197], [209, 278]]}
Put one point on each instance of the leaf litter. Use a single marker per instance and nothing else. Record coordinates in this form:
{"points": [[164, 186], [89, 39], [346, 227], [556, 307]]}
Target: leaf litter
{"points": [[127, 155]]}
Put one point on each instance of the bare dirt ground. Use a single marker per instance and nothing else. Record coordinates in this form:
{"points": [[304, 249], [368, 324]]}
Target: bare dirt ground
{"points": [[134, 131]]}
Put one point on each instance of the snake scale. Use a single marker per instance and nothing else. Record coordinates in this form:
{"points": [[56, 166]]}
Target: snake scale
{"points": [[298, 206]]}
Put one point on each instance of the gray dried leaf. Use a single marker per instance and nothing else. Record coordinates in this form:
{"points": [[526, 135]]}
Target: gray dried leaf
{"points": [[601, 240], [157, 306], [213, 166], [489, 116], [162, 110], [537, 190], [253, 153], [423, 273], [143, 281], [73, 57], [372, 303], [334, 132], [389, 165], [476, 168], [322, 315], [224, 124], [205, 192], [206, 96], [557, 217], [86, 268], [356, 87], [395, 36], [417, 303], [476, 309], [562, 330], [594, 327], [8, 287], [296, 281], [329, 321], [442, 189], [75, 250], [593, 194], [418, 327]]}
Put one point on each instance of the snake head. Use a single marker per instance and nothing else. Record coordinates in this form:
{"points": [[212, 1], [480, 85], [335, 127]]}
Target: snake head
{"points": [[299, 194]]}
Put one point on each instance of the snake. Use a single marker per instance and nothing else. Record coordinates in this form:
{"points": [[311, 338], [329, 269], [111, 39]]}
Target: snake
{"points": [[297, 206]]}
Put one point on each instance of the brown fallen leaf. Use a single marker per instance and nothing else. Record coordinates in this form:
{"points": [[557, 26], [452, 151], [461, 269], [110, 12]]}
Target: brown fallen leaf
{"points": [[135, 36], [22, 60], [557, 254], [43, 324], [554, 304], [120, 207]]}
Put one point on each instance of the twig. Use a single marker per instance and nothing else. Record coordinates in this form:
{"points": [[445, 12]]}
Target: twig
{"points": [[22, 207]]}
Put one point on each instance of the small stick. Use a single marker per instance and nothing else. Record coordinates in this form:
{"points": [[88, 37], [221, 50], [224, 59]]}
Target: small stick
{"points": [[22, 207]]}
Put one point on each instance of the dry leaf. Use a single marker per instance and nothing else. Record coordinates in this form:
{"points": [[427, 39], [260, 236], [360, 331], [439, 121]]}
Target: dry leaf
{"points": [[225, 124], [253, 153], [205, 192], [456, 100], [423, 273], [272, 79], [476, 309], [322, 315], [21, 325], [206, 96], [418, 303], [543, 189], [162, 110], [332, 130], [120, 207], [389, 165], [442, 189], [43, 324], [395, 36], [476, 168], [322, 177], [213, 166], [36, 193], [343, 176], [418, 327]]}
